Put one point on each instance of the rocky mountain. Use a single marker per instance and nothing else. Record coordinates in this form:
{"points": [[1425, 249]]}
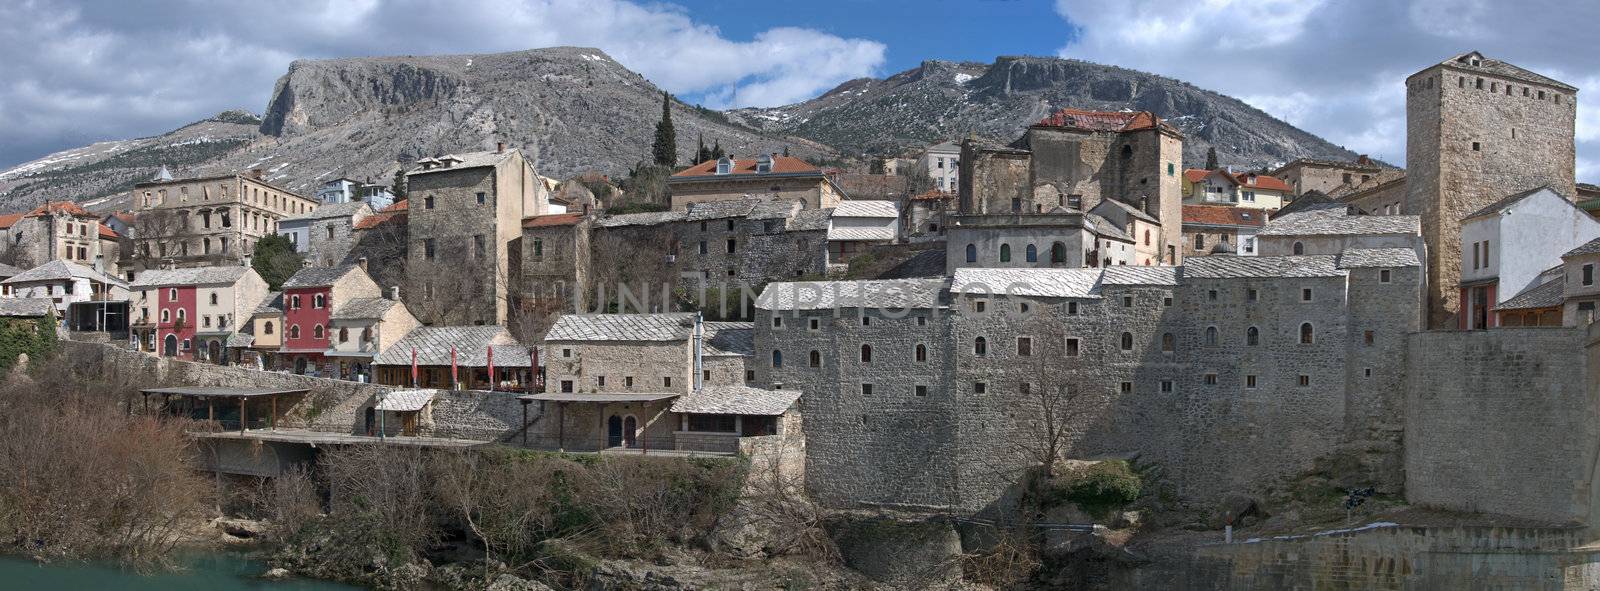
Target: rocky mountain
{"points": [[576, 109], [941, 100], [573, 109]]}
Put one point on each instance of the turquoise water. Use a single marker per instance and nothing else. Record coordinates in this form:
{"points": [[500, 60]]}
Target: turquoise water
{"points": [[209, 572]]}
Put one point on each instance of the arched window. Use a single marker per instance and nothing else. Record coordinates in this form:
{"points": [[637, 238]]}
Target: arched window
{"points": [[1058, 253], [366, 334], [1306, 336], [267, 327], [1211, 335], [1005, 253], [866, 353], [344, 334], [213, 299], [1252, 337], [1299, 248], [972, 253], [922, 352], [1127, 341], [316, 332], [980, 347], [294, 331], [816, 358], [1127, 152], [166, 315], [1147, 237], [777, 358], [1199, 241], [1032, 254], [1169, 343], [317, 301], [182, 314]]}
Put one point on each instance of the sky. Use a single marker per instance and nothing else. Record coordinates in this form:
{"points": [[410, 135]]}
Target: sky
{"points": [[79, 71]]}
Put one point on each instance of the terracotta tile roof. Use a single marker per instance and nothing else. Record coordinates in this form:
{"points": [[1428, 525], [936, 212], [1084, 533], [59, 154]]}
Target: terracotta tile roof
{"points": [[780, 165], [108, 233], [1195, 175], [66, 207], [1222, 215], [10, 219], [557, 219], [126, 217], [1263, 182], [396, 211], [1101, 120]]}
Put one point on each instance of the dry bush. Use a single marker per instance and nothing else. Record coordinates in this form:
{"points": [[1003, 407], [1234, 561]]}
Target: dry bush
{"points": [[1008, 563], [378, 506], [641, 502], [505, 502], [81, 478]]}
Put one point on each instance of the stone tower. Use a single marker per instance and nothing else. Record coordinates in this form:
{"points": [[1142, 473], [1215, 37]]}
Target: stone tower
{"points": [[1477, 130]]}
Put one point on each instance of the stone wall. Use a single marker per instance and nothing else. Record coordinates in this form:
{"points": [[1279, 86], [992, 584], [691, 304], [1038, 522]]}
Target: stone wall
{"points": [[1502, 421]]}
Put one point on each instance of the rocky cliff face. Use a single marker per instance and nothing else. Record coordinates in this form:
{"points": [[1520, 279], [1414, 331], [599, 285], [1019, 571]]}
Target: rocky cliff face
{"points": [[575, 109], [946, 100]]}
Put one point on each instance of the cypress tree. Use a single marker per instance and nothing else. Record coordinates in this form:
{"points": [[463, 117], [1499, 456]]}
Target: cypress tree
{"points": [[1211, 158], [666, 146], [701, 154], [716, 150]]}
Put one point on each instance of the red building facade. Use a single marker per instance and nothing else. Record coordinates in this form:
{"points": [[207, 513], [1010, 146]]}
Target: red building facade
{"points": [[175, 324]]}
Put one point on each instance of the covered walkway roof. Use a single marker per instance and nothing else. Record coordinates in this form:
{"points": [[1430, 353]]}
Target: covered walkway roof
{"points": [[601, 398], [221, 391]]}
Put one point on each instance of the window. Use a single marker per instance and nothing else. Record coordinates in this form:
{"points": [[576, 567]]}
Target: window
{"points": [[972, 253], [627, 381], [1306, 335], [1475, 259], [1252, 336], [1251, 295], [427, 202], [1211, 335], [921, 390], [920, 353], [1167, 301], [344, 334], [1299, 248], [732, 245], [318, 301], [213, 299], [816, 358], [317, 332], [1005, 253], [666, 382], [600, 381], [566, 386], [979, 387], [777, 358], [1126, 387], [266, 328], [566, 353], [980, 346], [777, 322], [294, 331], [172, 295], [1383, 276], [1366, 337], [1305, 380], [749, 375], [813, 323], [1486, 259], [1250, 381], [1476, 147], [922, 321], [482, 198], [427, 249], [703, 247], [1209, 379], [979, 306], [1171, 168], [1127, 341], [1588, 274], [1024, 346], [478, 247], [1211, 295], [1072, 347], [866, 389], [1305, 294], [1072, 308], [1127, 301], [1199, 241], [866, 320], [1058, 252], [1166, 386], [866, 353], [166, 315]]}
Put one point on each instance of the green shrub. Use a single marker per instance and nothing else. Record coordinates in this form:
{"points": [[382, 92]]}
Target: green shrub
{"points": [[1099, 488]]}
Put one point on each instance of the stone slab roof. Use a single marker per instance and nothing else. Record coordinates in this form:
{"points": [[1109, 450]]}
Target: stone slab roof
{"points": [[332, 210], [1333, 222], [811, 219], [1230, 267], [1548, 294], [729, 338], [1356, 258], [362, 309], [240, 340], [1050, 283], [650, 218], [467, 160], [850, 234], [270, 305], [1506, 201], [1590, 247], [1500, 68], [866, 209], [405, 400], [317, 276], [26, 307], [1105, 228], [1131, 210], [716, 210], [736, 400], [58, 270], [433, 344], [825, 295], [1136, 275], [7, 271], [622, 327], [195, 276]]}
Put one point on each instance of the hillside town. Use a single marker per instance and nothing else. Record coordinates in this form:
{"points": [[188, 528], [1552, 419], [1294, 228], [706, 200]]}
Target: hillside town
{"points": [[916, 335]]}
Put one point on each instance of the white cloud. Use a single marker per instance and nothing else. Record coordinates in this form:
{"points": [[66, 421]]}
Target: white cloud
{"points": [[114, 70], [1337, 69]]}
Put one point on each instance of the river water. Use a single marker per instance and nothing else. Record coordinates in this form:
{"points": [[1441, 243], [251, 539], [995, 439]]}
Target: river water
{"points": [[208, 572]]}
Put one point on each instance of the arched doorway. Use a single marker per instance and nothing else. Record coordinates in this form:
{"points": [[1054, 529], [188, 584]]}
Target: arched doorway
{"points": [[214, 351], [630, 426], [169, 346], [614, 431], [300, 365]]}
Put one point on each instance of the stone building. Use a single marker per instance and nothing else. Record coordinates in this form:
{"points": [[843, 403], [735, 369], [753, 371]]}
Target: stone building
{"points": [[336, 320], [1139, 228], [858, 225], [1075, 159], [85, 298], [58, 230], [192, 313], [764, 177], [1174, 364], [324, 236], [206, 221], [722, 243], [463, 227], [456, 358], [1057, 239], [555, 259], [1479, 129], [925, 212], [1331, 229], [1211, 229], [1327, 176], [1511, 243]]}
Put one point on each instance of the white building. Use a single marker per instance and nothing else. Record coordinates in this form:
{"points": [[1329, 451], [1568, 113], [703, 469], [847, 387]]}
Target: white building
{"points": [[1505, 247], [67, 284], [943, 163], [344, 190]]}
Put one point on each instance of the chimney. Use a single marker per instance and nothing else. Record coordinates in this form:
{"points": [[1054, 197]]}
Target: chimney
{"points": [[499, 147], [247, 260], [698, 352], [394, 292], [257, 173], [1144, 203], [362, 262]]}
